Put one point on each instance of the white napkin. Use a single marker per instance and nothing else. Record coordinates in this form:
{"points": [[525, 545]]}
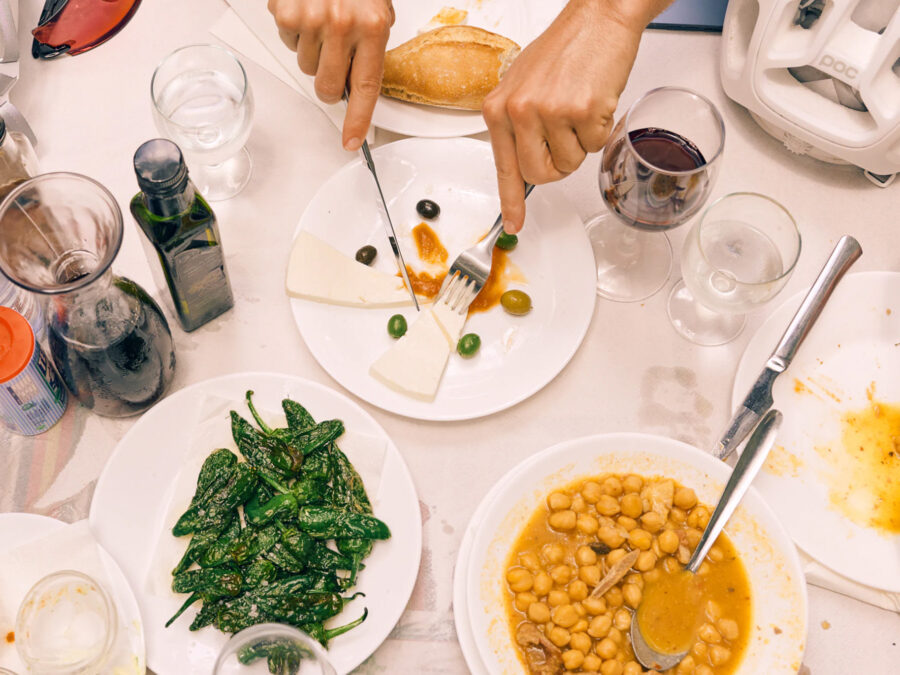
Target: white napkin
{"points": [[819, 575], [69, 548]]}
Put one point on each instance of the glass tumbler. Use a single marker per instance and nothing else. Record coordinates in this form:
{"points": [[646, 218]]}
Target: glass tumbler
{"points": [[202, 101], [272, 648], [59, 234], [735, 259]]}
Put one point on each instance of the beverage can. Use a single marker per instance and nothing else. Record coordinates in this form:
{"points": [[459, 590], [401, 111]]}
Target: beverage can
{"points": [[32, 396]]}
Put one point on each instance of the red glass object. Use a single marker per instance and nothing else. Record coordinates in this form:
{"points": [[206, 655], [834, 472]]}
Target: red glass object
{"points": [[80, 25]]}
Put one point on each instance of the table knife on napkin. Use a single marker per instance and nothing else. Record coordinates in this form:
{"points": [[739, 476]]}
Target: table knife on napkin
{"points": [[759, 399]]}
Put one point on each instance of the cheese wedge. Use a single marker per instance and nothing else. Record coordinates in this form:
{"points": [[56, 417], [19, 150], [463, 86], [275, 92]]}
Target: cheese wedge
{"points": [[317, 271], [450, 322], [415, 363]]}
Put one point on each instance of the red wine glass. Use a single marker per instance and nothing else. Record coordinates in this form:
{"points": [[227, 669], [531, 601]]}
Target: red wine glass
{"points": [[656, 172]]}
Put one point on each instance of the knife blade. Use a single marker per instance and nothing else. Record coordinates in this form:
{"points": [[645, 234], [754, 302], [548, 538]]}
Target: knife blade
{"points": [[759, 399]]}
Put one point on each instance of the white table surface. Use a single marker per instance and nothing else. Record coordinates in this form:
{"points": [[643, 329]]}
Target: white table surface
{"points": [[632, 373]]}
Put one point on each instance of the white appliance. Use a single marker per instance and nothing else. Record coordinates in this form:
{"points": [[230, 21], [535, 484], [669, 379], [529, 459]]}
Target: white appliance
{"points": [[823, 76]]}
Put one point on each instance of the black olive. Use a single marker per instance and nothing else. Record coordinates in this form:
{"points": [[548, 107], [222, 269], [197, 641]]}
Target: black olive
{"points": [[366, 255], [428, 209]]}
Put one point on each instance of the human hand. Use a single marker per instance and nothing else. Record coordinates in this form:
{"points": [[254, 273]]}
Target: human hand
{"points": [[556, 102], [329, 37]]}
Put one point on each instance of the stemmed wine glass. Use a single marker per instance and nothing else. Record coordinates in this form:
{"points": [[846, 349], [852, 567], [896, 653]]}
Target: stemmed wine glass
{"points": [[737, 257], [657, 170], [272, 648], [202, 102]]}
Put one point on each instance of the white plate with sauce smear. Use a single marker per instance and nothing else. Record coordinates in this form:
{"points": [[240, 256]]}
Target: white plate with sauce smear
{"points": [[519, 355], [773, 568], [841, 505]]}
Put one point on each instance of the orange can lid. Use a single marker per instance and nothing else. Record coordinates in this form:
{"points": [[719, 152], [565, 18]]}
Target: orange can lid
{"points": [[16, 343]]}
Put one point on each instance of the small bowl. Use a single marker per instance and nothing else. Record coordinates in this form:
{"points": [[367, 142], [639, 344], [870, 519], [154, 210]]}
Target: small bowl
{"points": [[67, 623], [777, 583]]}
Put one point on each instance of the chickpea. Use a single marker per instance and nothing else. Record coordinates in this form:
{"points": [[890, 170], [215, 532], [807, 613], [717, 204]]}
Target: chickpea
{"points": [[677, 516], [581, 641], [703, 669], [564, 615], [558, 636], [632, 668], [652, 522], [641, 539], [686, 667], [612, 486], [590, 574], [519, 579], [692, 536], [716, 554], [611, 667], [668, 541], [578, 504], [530, 562], [614, 597], [538, 612], [728, 628], [699, 650], [561, 574], [580, 627], [653, 575], [557, 598], [622, 619], [685, 498], [607, 505], [635, 578], [562, 520], [708, 633], [615, 556], [554, 553], [578, 591], [585, 555], [615, 635], [542, 584], [524, 600], [704, 569], [572, 659], [587, 524], [646, 561], [594, 606], [599, 627], [713, 610], [632, 595], [671, 565], [683, 555], [558, 501], [719, 655], [591, 663], [591, 492], [703, 517], [627, 522], [633, 483], [610, 536], [606, 649], [632, 505]]}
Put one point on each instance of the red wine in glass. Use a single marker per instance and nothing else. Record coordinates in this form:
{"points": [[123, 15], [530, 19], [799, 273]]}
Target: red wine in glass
{"points": [[655, 179]]}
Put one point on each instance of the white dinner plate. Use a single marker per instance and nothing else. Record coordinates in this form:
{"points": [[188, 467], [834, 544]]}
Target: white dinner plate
{"points": [[773, 567], [852, 350], [17, 529], [132, 495], [519, 355], [519, 20]]}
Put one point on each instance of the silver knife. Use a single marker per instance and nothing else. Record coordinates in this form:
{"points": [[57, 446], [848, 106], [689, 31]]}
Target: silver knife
{"points": [[388, 224], [759, 399]]}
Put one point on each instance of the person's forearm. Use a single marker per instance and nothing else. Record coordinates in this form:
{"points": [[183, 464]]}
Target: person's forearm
{"points": [[635, 14]]}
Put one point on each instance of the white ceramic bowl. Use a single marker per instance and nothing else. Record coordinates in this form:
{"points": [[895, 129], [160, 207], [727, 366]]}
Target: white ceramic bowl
{"points": [[776, 580]]}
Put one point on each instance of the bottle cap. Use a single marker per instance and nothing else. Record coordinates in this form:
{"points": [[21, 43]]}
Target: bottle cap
{"points": [[16, 343], [159, 167]]}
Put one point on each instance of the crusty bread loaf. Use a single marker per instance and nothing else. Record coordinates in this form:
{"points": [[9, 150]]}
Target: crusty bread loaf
{"points": [[450, 67]]}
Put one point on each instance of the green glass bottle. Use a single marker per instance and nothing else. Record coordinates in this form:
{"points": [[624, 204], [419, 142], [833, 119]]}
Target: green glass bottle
{"points": [[183, 230]]}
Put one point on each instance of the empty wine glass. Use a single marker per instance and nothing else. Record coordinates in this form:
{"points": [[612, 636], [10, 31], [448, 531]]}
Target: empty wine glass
{"points": [[202, 102], [736, 258], [656, 172], [272, 648]]}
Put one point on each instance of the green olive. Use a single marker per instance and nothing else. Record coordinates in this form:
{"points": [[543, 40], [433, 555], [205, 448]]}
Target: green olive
{"points": [[507, 241], [397, 326], [468, 345], [366, 255], [516, 302]]}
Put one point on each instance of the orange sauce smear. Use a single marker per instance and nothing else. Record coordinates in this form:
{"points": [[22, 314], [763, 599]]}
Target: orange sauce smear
{"points": [[430, 248]]}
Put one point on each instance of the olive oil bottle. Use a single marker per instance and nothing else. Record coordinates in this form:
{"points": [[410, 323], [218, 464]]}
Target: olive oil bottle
{"points": [[182, 228]]}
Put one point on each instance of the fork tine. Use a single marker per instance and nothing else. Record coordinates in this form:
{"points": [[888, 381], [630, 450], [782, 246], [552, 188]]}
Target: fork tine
{"points": [[451, 281], [466, 295]]}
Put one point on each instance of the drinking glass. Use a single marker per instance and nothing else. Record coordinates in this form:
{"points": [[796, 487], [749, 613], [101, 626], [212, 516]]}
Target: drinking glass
{"points": [[202, 102], [272, 648], [738, 256], [656, 172]]}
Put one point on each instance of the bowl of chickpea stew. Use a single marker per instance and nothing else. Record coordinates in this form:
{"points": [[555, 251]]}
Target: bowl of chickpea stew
{"points": [[562, 557]]}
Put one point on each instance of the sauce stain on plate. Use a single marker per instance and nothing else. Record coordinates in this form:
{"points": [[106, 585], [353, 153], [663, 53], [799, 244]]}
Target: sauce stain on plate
{"points": [[782, 462]]}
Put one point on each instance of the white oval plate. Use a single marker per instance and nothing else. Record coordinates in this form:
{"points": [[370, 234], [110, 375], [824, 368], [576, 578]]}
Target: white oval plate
{"points": [[20, 528], [132, 496], [776, 580], [519, 355], [852, 346]]}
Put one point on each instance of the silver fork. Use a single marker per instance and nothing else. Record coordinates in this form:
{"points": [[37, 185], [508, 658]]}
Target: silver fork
{"points": [[470, 270]]}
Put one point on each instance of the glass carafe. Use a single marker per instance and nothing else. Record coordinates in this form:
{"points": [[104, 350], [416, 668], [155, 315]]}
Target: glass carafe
{"points": [[59, 234]]}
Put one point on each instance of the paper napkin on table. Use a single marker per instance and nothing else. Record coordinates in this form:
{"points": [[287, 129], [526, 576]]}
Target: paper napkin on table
{"points": [[72, 547], [819, 575]]}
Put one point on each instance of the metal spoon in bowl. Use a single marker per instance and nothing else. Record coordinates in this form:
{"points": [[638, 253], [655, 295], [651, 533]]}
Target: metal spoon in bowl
{"points": [[745, 470]]}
